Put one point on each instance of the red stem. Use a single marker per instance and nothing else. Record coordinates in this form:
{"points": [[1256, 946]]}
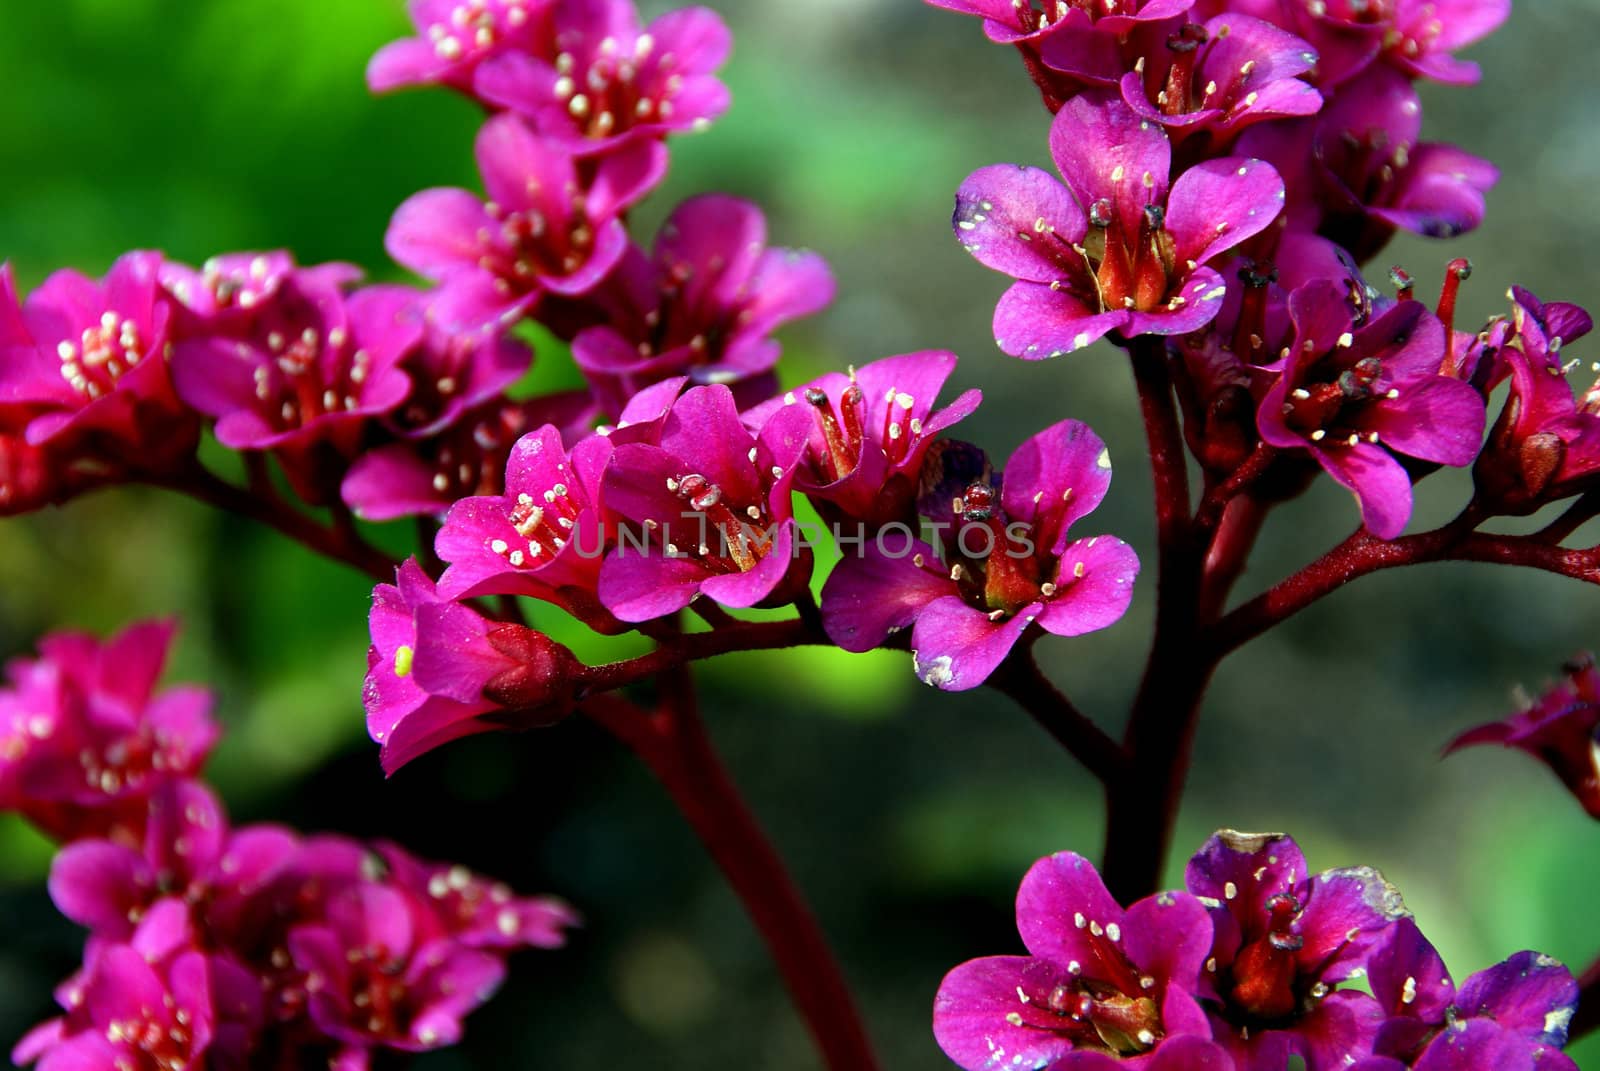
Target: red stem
{"points": [[1020, 678], [1364, 553], [1231, 544], [678, 650], [672, 742], [341, 542], [1142, 805]]}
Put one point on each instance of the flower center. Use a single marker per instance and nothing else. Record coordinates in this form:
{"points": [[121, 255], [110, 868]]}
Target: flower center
{"points": [[1038, 14], [1105, 1004], [726, 540], [528, 246], [1265, 971], [613, 89], [166, 1045], [1325, 408], [471, 458], [311, 384], [545, 522], [378, 991], [844, 431], [102, 353], [1355, 12], [1177, 92], [475, 27]]}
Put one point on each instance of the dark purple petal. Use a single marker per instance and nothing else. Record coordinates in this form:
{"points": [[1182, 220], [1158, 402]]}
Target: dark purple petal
{"points": [[1440, 193], [1408, 976], [1348, 913], [1529, 994], [1476, 1045]]}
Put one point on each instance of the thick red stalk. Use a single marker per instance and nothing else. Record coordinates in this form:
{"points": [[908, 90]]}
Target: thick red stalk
{"points": [[1142, 805], [672, 742]]}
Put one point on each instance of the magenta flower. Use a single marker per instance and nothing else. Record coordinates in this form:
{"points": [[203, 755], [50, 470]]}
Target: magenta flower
{"points": [[543, 537], [1010, 21], [607, 82], [85, 739], [106, 886], [86, 361], [378, 982], [1561, 729], [453, 38], [1219, 76], [1545, 446], [1353, 396], [1284, 940], [154, 1003], [1427, 31], [426, 476], [307, 381], [714, 511], [872, 430], [1357, 172], [549, 225], [1009, 563], [438, 671], [1415, 36], [1097, 979], [705, 305], [1517, 1010], [230, 292], [1113, 249], [448, 900], [453, 371]]}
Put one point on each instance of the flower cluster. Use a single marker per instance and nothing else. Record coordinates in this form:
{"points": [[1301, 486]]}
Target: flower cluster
{"points": [[220, 946], [1251, 964], [1226, 166]]}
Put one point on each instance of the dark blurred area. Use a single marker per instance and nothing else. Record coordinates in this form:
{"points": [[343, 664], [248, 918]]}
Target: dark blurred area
{"points": [[908, 816]]}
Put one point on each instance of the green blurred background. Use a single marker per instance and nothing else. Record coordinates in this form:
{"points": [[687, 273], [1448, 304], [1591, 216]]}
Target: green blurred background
{"points": [[908, 816]]}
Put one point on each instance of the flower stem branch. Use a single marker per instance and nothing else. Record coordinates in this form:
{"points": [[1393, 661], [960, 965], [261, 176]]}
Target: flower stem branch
{"points": [[1582, 511], [1021, 679], [673, 743], [340, 541], [680, 649], [1217, 498], [1364, 553]]}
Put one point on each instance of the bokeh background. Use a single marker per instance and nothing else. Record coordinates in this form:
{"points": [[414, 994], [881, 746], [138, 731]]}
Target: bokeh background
{"points": [[908, 816]]}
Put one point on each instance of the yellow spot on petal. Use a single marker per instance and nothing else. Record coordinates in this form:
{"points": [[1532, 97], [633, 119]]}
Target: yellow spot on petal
{"points": [[402, 661]]}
